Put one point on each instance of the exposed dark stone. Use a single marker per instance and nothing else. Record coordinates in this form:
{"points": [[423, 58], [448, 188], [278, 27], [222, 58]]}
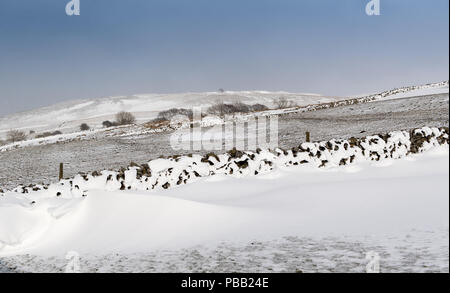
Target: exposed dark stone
{"points": [[242, 164], [235, 154], [353, 142], [324, 162]]}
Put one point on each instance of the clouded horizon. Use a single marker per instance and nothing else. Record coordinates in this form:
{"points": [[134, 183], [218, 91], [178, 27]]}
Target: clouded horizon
{"points": [[146, 46]]}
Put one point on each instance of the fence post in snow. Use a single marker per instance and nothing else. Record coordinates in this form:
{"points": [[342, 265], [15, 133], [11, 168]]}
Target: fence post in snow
{"points": [[308, 137], [61, 171]]}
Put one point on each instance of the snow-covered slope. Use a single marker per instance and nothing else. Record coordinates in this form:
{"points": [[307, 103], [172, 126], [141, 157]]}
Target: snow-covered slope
{"points": [[69, 115], [416, 91]]}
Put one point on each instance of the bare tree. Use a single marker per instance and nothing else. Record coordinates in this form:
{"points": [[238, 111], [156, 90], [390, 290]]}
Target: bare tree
{"points": [[125, 118], [16, 135]]}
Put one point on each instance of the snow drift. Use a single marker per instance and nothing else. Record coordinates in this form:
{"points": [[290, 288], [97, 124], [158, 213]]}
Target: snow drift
{"points": [[380, 199]]}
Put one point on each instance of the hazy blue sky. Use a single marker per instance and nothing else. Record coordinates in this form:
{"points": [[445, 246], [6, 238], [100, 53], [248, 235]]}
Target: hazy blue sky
{"points": [[142, 46]]}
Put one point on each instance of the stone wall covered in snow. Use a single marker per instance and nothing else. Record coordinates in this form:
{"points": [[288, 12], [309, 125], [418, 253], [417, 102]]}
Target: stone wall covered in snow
{"points": [[171, 172]]}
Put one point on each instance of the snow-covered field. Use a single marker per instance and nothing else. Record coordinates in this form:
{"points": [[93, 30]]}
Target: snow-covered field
{"points": [[37, 161], [67, 117], [292, 216], [296, 218]]}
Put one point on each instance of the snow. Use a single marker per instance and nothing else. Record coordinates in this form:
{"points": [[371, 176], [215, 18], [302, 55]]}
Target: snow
{"points": [[378, 205], [306, 197], [68, 116], [420, 92]]}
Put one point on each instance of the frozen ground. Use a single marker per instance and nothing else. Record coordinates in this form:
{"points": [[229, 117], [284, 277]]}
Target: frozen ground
{"points": [[40, 163], [292, 219]]}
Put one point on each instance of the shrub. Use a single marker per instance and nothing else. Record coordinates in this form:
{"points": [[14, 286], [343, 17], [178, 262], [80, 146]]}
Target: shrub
{"points": [[159, 120], [16, 135], [258, 108], [108, 124], [47, 134], [157, 123], [84, 127], [241, 107], [169, 114], [125, 118], [222, 109]]}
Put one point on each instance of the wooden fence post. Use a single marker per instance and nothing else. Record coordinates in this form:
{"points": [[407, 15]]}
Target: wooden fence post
{"points": [[308, 137], [61, 171]]}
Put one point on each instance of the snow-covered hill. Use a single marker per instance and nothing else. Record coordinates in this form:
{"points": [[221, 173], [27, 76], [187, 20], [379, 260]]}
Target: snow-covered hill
{"points": [[67, 117]]}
